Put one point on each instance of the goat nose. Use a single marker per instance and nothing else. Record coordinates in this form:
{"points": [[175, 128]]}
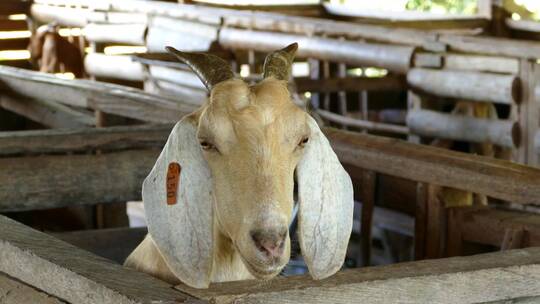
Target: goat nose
{"points": [[269, 242]]}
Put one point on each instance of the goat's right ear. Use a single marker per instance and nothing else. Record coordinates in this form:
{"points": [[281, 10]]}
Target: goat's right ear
{"points": [[179, 215]]}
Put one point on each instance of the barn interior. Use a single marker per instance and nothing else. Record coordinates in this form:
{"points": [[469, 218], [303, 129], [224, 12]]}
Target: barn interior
{"points": [[431, 106]]}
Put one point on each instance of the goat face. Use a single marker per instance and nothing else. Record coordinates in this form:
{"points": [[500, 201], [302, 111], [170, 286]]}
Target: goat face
{"points": [[252, 139], [238, 156]]}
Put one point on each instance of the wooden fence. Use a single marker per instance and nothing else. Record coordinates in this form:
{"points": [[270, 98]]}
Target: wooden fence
{"points": [[442, 69], [33, 161]]}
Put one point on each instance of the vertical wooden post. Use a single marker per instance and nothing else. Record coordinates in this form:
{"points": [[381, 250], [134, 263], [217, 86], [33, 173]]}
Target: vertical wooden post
{"points": [[342, 95], [368, 184], [314, 73], [513, 238], [435, 222], [420, 222], [454, 245]]}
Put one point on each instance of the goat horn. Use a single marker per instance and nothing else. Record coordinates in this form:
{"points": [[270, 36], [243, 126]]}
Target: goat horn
{"points": [[279, 63], [210, 69]]}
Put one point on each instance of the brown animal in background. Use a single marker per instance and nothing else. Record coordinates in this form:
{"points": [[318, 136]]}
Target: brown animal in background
{"points": [[54, 53]]}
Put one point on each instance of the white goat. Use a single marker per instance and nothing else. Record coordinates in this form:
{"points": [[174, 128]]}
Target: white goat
{"points": [[238, 155]]}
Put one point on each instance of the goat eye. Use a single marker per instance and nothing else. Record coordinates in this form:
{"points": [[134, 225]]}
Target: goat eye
{"points": [[303, 142], [206, 145]]}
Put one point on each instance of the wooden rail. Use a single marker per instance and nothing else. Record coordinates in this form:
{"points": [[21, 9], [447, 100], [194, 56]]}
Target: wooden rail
{"points": [[88, 179], [48, 263], [108, 98]]}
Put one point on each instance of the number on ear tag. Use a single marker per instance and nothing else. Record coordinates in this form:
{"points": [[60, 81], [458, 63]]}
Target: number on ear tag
{"points": [[173, 178]]}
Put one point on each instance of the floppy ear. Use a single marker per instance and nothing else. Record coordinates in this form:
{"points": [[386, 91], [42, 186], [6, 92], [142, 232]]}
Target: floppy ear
{"points": [[180, 217], [326, 202]]}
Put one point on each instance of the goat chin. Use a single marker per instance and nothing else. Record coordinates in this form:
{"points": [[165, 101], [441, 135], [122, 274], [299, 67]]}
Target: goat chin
{"points": [[228, 265]]}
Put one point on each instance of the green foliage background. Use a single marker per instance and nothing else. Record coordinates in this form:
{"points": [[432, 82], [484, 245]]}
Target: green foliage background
{"points": [[449, 6]]}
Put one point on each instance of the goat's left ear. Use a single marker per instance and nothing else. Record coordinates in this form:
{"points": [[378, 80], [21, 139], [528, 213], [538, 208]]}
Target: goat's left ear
{"points": [[326, 206]]}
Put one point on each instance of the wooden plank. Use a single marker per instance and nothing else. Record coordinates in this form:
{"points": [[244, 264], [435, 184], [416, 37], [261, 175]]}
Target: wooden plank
{"points": [[113, 66], [523, 25], [109, 98], [476, 86], [493, 46], [13, 291], [362, 124], [116, 33], [438, 166], [481, 63], [490, 226], [80, 140], [49, 114], [435, 124], [350, 84], [482, 278], [428, 60], [54, 181], [392, 57], [49, 264]]}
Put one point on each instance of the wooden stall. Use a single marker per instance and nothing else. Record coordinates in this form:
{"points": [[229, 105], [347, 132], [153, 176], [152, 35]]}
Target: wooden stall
{"points": [[64, 156], [446, 87]]}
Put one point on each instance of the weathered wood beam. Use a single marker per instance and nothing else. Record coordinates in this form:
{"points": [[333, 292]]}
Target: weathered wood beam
{"points": [[353, 84], [116, 33], [493, 46], [14, 291], [481, 63], [9, 7], [83, 140], [113, 66], [475, 279], [181, 34], [363, 124], [392, 57], [47, 113], [53, 181], [537, 142], [49, 264], [488, 226], [476, 86], [429, 123], [108, 98], [496, 178], [523, 25]]}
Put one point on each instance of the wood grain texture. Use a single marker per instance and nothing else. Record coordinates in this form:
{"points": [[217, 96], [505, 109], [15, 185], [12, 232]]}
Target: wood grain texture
{"points": [[468, 85], [392, 57], [352, 84], [109, 98], [476, 279], [54, 181], [73, 274], [489, 226], [47, 113], [83, 139], [505, 133], [495, 178], [13, 291]]}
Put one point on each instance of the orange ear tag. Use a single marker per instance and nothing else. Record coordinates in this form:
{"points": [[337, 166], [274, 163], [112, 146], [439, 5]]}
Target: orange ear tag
{"points": [[173, 178]]}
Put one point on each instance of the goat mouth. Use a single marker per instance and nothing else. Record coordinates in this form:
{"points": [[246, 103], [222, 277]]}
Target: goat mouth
{"points": [[256, 270]]}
